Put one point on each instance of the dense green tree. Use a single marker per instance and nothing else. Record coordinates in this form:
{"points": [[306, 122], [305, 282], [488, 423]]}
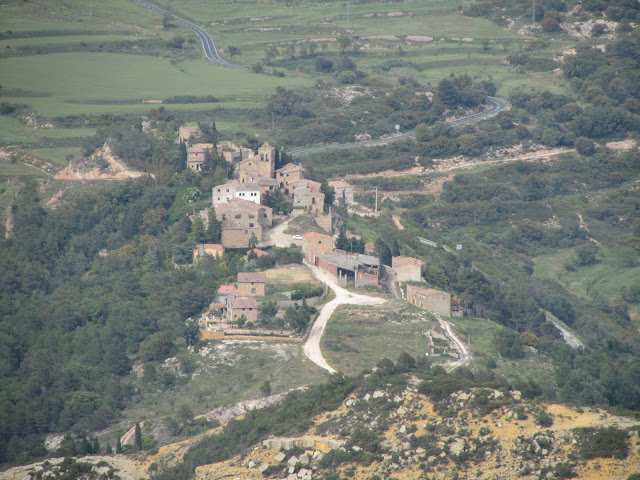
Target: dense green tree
{"points": [[138, 437]]}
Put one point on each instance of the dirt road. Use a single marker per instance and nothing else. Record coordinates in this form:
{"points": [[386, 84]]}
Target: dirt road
{"points": [[311, 347], [463, 353], [276, 236]]}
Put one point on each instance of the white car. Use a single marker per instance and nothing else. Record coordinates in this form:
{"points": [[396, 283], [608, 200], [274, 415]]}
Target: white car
{"points": [[297, 237]]}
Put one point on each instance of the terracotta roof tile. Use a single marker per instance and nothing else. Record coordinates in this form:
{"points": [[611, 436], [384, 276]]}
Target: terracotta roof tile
{"points": [[252, 277]]}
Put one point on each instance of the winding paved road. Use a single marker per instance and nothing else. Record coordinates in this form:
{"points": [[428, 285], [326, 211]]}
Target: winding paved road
{"points": [[569, 338], [496, 105], [207, 42]]}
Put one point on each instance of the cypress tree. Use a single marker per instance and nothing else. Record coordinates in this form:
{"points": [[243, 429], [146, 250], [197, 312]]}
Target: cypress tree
{"points": [[138, 437], [118, 446], [95, 448]]}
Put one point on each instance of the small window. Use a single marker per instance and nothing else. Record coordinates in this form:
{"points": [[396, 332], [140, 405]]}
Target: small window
{"points": [[239, 215], [265, 215], [253, 290], [251, 216], [251, 225]]}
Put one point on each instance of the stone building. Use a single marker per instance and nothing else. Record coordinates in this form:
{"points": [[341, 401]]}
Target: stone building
{"points": [[252, 284], [313, 242], [240, 219], [197, 154], [288, 174], [260, 165], [343, 190], [239, 306], [435, 301], [407, 269], [187, 132]]}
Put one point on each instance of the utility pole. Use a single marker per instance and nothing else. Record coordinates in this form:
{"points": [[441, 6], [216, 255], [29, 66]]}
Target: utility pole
{"points": [[376, 210], [533, 14], [348, 12]]}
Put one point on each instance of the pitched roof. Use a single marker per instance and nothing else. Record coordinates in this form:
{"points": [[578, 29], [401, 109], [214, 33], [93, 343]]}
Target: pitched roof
{"points": [[210, 247], [315, 234], [258, 252], [266, 145], [227, 290], [248, 187], [266, 181], [243, 302], [339, 184], [425, 291], [405, 260], [252, 277], [238, 204], [289, 167]]}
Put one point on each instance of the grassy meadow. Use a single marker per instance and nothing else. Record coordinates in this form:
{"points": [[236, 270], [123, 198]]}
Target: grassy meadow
{"points": [[82, 57]]}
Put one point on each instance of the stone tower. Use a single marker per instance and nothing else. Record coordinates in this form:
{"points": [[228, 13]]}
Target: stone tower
{"points": [[267, 156]]}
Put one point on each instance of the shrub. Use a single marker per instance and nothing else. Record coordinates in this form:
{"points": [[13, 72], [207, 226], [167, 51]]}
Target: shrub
{"points": [[603, 443]]}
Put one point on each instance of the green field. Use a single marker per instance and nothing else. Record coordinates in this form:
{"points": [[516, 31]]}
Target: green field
{"points": [[357, 338], [606, 277]]}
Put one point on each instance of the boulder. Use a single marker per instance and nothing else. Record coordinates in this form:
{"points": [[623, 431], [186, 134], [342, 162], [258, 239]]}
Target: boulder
{"points": [[304, 459], [251, 464], [378, 394], [293, 460], [403, 428], [263, 467], [280, 457], [457, 446]]}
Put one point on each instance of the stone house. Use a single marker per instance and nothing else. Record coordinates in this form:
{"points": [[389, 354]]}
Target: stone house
{"points": [[435, 301], [307, 194], [186, 132], [313, 242], [225, 293], [232, 153], [239, 306], [407, 269], [240, 219], [288, 174], [252, 284], [214, 249], [342, 190], [196, 155]]}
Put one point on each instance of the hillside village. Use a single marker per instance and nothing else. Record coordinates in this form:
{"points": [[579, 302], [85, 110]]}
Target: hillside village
{"points": [[239, 204]]}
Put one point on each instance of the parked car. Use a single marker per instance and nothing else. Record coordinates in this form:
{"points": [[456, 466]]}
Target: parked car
{"points": [[297, 237]]}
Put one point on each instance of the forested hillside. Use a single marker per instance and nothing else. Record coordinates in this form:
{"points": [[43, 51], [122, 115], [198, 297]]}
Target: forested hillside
{"points": [[73, 320]]}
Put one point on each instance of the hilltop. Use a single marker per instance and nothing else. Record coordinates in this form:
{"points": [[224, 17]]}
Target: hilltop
{"points": [[387, 428]]}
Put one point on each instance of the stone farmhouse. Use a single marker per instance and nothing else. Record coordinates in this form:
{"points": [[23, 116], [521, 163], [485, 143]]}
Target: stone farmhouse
{"points": [[189, 132], [313, 243], [342, 190], [239, 306], [287, 175], [232, 153], [435, 301], [196, 155], [252, 284], [240, 219], [307, 194], [225, 293], [407, 269]]}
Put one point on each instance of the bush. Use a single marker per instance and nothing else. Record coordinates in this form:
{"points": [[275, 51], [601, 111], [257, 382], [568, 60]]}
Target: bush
{"points": [[585, 146], [603, 443]]}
